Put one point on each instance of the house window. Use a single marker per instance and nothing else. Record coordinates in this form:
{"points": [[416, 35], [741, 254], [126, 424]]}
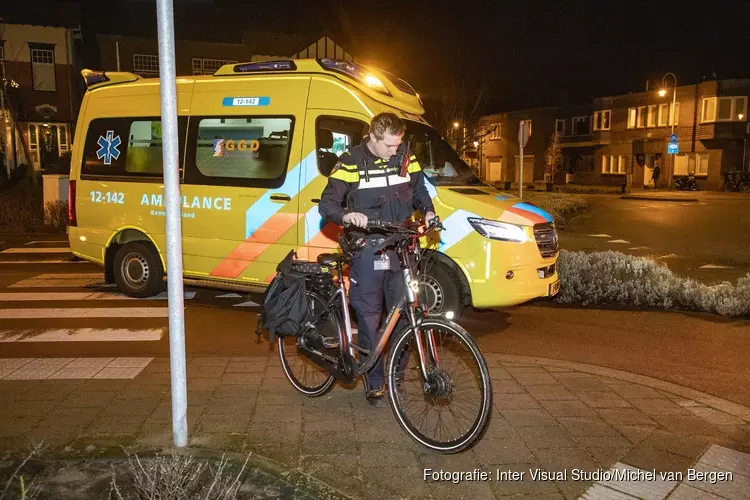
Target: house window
{"points": [[33, 141], [203, 66], [613, 164], [693, 162], [663, 119], [651, 116], [560, 126], [631, 117], [641, 121], [43, 66], [496, 133], [723, 109], [602, 119], [580, 125], [145, 64], [62, 139]]}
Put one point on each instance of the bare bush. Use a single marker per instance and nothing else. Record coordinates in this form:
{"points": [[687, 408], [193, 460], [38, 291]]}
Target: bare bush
{"points": [[56, 214], [17, 483], [176, 477], [616, 278], [21, 207]]}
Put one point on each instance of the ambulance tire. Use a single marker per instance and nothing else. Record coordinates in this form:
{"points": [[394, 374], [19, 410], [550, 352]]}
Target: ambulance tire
{"points": [[441, 289], [138, 271]]}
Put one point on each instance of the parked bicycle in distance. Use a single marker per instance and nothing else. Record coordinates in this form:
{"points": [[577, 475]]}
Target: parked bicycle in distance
{"points": [[737, 181], [438, 382]]}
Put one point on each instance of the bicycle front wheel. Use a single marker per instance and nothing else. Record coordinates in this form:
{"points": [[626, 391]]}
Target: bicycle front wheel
{"points": [[450, 410]]}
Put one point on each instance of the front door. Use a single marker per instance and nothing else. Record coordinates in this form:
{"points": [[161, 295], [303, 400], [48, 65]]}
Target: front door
{"points": [[496, 170], [528, 169], [329, 136]]}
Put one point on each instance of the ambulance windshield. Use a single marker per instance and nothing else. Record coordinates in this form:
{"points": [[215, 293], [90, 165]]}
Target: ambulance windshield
{"points": [[441, 164]]}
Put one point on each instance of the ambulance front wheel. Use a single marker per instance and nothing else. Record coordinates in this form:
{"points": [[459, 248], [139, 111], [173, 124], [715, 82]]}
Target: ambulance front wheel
{"points": [[138, 271], [440, 290]]}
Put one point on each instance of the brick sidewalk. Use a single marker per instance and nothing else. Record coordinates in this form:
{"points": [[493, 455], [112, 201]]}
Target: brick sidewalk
{"points": [[550, 415]]}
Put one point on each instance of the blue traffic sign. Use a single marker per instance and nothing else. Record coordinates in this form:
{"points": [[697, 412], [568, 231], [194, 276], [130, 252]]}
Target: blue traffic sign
{"points": [[673, 138], [673, 149]]}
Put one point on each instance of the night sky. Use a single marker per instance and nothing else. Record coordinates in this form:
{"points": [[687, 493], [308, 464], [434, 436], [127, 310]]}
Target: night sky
{"points": [[525, 53]]}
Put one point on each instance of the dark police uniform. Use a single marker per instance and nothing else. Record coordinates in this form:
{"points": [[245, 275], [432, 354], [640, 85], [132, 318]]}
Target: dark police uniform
{"points": [[362, 182]]}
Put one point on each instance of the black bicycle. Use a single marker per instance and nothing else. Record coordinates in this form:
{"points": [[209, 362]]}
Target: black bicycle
{"points": [[438, 382]]}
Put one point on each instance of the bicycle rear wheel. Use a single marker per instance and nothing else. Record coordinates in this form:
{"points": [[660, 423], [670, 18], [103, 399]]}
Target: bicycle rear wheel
{"points": [[304, 375], [448, 412]]}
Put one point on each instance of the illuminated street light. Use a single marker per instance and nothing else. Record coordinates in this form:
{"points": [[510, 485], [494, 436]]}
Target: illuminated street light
{"points": [[741, 116], [476, 143], [455, 124], [672, 115]]}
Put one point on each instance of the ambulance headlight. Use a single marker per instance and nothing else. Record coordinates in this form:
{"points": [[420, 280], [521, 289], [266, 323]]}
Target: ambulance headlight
{"points": [[499, 230]]}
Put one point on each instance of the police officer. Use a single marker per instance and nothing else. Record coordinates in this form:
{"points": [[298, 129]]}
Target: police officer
{"points": [[379, 179]]}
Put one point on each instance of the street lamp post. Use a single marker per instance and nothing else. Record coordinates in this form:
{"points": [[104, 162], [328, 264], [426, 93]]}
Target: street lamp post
{"points": [[673, 113]]}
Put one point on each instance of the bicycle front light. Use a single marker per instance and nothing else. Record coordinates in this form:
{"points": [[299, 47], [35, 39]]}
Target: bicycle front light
{"points": [[414, 285], [499, 230]]}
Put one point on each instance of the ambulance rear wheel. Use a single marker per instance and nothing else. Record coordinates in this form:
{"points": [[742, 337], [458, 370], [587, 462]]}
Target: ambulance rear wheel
{"points": [[138, 271], [440, 290]]}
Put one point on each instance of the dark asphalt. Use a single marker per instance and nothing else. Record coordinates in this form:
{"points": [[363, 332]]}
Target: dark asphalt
{"points": [[714, 231]]}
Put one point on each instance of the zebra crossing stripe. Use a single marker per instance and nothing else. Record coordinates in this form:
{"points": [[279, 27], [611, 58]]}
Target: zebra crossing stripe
{"points": [[82, 335], [84, 312], [37, 250], [72, 368], [35, 296]]}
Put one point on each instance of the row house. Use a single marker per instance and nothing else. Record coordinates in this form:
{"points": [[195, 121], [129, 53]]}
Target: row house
{"points": [[40, 98], [620, 139], [192, 57]]}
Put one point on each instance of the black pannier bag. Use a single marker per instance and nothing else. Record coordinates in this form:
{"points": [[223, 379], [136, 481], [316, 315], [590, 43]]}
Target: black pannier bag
{"points": [[284, 309]]}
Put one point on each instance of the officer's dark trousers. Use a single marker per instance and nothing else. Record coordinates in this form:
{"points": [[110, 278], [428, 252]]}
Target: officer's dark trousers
{"points": [[368, 288]]}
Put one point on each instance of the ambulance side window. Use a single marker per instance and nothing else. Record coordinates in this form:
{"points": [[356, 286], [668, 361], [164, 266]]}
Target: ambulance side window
{"points": [[239, 151], [334, 137], [126, 148]]}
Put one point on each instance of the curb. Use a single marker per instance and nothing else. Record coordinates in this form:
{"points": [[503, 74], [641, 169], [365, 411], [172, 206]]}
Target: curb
{"points": [[657, 198], [721, 404]]}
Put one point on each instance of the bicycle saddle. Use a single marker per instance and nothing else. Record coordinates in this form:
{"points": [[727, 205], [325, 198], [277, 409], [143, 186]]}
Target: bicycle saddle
{"points": [[327, 259]]}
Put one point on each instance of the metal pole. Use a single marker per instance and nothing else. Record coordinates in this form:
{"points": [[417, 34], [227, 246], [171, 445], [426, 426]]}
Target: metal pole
{"points": [[117, 51], [170, 152], [673, 115], [520, 181]]}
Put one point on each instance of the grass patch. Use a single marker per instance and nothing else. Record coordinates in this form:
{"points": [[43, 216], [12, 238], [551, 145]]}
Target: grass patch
{"points": [[583, 189], [615, 278]]}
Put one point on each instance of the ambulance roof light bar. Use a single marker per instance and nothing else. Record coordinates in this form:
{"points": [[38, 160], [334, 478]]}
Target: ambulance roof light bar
{"points": [[356, 71], [281, 65]]}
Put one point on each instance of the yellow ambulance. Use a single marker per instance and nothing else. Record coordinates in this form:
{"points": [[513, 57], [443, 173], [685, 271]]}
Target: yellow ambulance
{"points": [[257, 141]]}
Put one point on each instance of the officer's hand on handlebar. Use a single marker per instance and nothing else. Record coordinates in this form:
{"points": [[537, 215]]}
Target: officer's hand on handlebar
{"points": [[429, 217], [355, 219]]}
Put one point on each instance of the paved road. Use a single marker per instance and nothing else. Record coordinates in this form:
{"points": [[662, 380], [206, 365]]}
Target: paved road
{"points": [[82, 364], [688, 236], [63, 309]]}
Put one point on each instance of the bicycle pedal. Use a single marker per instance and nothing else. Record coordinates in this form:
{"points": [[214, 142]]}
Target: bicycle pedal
{"points": [[329, 343]]}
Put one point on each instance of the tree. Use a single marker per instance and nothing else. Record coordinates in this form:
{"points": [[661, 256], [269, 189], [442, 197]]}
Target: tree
{"points": [[553, 156]]}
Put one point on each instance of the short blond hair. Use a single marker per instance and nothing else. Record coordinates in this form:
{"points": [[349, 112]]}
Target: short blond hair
{"points": [[387, 123]]}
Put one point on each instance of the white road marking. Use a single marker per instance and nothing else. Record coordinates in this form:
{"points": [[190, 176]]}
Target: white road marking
{"points": [[618, 241], [639, 248], [47, 241], [55, 261], [632, 484], [41, 296], [229, 296], [85, 312], [248, 303], [165, 296], [714, 266], [71, 368], [59, 283], [82, 335], [38, 250], [669, 256], [52, 276], [600, 236]]}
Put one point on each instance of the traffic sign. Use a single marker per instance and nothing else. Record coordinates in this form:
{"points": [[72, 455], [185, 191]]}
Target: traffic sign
{"points": [[524, 131], [673, 138], [673, 148]]}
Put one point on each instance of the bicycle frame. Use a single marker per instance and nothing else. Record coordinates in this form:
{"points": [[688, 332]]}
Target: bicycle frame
{"points": [[414, 313]]}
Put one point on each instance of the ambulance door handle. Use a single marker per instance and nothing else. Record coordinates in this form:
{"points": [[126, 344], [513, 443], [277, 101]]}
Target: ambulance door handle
{"points": [[281, 197], [315, 200]]}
